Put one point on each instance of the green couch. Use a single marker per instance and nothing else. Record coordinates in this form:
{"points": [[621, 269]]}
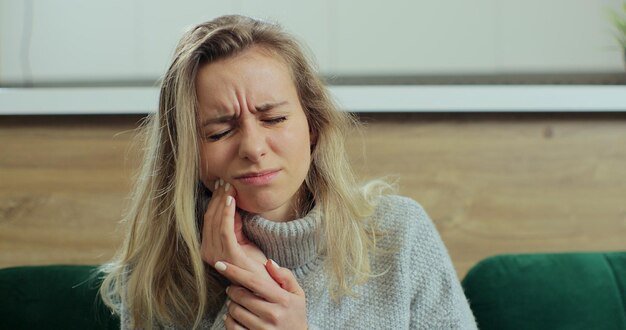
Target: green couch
{"points": [[52, 297], [549, 291], [528, 291]]}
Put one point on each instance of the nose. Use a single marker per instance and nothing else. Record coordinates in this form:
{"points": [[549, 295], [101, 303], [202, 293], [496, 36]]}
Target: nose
{"points": [[253, 145]]}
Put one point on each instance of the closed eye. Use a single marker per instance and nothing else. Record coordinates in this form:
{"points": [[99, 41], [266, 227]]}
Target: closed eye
{"points": [[218, 136], [269, 121], [276, 120]]}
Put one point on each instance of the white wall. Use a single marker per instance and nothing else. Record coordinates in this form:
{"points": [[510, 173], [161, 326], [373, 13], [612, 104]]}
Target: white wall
{"points": [[117, 40]]}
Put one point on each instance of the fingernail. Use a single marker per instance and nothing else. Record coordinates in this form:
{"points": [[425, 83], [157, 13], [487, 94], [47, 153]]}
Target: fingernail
{"points": [[227, 289], [227, 186], [274, 263], [229, 200], [217, 184], [227, 302], [224, 317], [220, 266], [221, 182]]}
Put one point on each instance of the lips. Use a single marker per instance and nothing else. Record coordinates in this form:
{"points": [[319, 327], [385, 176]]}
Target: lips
{"points": [[258, 178], [255, 174]]}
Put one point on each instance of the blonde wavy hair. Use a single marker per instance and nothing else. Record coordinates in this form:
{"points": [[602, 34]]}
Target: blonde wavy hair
{"points": [[158, 275]]}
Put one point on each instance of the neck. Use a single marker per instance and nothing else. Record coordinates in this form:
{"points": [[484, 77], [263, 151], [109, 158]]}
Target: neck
{"points": [[292, 244], [299, 205]]}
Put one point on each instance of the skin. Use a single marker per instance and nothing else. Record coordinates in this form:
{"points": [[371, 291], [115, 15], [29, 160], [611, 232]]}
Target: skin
{"points": [[255, 307], [262, 296], [222, 235], [252, 122]]}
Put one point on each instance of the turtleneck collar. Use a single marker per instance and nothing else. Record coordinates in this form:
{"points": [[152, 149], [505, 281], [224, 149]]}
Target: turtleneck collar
{"points": [[291, 244]]}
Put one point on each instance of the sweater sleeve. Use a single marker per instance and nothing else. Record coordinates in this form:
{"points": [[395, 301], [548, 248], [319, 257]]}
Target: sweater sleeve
{"points": [[125, 315], [125, 319], [218, 323], [438, 300]]}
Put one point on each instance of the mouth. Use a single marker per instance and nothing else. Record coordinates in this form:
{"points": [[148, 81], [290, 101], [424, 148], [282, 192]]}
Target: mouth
{"points": [[258, 178]]}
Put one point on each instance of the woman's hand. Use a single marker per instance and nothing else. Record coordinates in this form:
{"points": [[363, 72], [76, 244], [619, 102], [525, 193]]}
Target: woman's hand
{"points": [[262, 304], [222, 236]]}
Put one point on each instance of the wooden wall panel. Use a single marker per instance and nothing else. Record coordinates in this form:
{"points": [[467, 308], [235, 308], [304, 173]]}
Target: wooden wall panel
{"points": [[63, 183], [510, 183], [493, 183]]}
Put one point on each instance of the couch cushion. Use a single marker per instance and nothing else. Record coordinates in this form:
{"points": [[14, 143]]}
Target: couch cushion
{"points": [[52, 297], [549, 291]]}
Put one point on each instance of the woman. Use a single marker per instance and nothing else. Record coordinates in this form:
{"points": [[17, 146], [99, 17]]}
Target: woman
{"points": [[245, 161]]}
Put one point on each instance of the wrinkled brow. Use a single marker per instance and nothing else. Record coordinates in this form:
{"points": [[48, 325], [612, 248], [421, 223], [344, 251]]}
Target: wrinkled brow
{"points": [[228, 118]]}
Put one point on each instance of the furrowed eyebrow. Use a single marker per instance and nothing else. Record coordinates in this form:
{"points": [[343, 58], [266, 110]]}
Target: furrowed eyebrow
{"points": [[269, 106], [218, 120], [228, 118]]}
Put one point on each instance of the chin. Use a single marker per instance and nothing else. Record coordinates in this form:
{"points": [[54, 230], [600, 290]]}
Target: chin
{"points": [[255, 205], [260, 205]]}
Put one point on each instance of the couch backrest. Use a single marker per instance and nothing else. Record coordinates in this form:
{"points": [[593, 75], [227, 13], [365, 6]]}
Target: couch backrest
{"points": [[53, 297], [549, 291]]}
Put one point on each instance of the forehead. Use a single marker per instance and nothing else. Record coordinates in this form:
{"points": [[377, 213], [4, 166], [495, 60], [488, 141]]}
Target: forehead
{"points": [[255, 73]]}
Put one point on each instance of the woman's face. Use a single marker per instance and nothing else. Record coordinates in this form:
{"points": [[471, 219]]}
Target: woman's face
{"points": [[254, 133]]}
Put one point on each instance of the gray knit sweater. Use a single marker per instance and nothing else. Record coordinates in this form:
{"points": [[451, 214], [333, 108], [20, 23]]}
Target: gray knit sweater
{"points": [[419, 288]]}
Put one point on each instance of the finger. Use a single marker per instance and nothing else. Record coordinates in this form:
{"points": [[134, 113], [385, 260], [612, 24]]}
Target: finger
{"points": [[224, 219], [215, 220], [221, 237], [253, 303], [239, 235], [225, 190], [284, 277], [215, 193], [261, 287], [230, 323], [244, 316], [227, 225], [213, 203], [208, 231], [213, 184]]}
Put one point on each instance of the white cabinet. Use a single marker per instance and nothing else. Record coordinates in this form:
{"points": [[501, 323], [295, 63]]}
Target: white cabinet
{"points": [[413, 37], [116, 41], [309, 21], [556, 36], [94, 41]]}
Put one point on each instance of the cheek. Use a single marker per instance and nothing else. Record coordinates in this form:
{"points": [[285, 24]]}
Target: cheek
{"points": [[295, 144], [209, 166]]}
